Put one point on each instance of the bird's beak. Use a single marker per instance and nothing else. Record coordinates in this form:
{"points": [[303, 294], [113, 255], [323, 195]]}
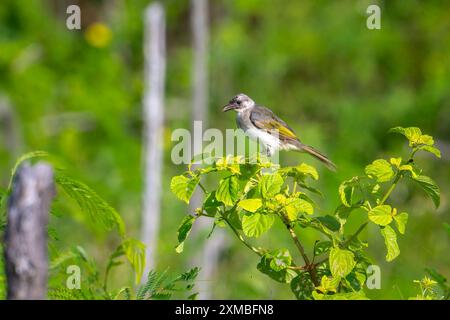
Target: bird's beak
{"points": [[228, 107]]}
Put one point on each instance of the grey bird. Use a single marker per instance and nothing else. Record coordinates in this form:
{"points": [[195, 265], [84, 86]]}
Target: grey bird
{"points": [[261, 124]]}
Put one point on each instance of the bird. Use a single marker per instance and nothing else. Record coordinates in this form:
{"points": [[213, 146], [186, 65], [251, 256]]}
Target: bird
{"points": [[261, 124]]}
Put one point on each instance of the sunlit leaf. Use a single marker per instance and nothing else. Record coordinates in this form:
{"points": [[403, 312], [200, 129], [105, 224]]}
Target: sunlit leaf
{"points": [[390, 239], [183, 187], [341, 261], [381, 215], [380, 169], [255, 224], [251, 205], [228, 190]]}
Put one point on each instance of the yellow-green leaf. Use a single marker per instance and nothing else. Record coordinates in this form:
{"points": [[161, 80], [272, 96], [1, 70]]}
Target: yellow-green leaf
{"points": [[381, 215], [251, 205], [401, 220], [381, 170], [255, 224], [228, 190], [342, 262], [390, 239], [183, 187]]}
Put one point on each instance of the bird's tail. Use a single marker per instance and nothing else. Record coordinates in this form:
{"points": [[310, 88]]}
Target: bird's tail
{"points": [[315, 153]]}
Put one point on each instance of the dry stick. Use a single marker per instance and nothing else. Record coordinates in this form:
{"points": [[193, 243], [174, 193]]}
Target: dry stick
{"points": [[26, 256]]}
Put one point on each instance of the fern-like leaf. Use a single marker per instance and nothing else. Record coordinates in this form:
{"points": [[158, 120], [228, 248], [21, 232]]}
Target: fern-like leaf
{"points": [[91, 203]]}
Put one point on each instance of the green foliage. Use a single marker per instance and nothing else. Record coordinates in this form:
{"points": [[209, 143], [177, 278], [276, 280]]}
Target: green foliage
{"points": [[160, 286], [253, 195]]}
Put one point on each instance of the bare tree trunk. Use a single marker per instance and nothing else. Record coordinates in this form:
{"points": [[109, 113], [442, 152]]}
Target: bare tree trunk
{"points": [[155, 68], [26, 256], [209, 256]]}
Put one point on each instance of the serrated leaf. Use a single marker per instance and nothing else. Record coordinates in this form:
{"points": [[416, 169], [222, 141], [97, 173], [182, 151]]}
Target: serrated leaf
{"points": [[381, 215], [250, 205], [341, 262], [430, 187], [255, 224], [183, 187], [228, 190], [270, 185], [390, 239], [380, 169], [401, 220], [183, 231]]}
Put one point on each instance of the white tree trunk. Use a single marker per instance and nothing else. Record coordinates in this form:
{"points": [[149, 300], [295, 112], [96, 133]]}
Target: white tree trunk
{"points": [[154, 72], [209, 256], [26, 256]]}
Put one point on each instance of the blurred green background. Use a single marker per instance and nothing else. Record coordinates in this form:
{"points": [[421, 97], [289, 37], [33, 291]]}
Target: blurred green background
{"points": [[77, 94]]}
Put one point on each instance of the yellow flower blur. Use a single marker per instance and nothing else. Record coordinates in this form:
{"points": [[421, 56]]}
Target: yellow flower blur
{"points": [[98, 35]]}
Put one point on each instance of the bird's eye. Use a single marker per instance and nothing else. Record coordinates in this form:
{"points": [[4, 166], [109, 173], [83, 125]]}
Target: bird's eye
{"points": [[239, 102]]}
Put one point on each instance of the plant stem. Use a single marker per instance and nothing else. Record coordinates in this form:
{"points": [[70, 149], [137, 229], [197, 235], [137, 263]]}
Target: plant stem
{"points": [[391, 188], [308, 266], [202, 187], [361, 228], [241, 238]]}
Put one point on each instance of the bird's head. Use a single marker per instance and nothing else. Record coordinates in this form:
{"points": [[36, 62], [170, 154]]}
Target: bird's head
{"points": [[239, 103]]}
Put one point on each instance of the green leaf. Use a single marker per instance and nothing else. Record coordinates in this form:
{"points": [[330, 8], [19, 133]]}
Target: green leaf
{"points": [[341, 261], [307, 170], [381, 170], [283, 276], [228, 190], [270, 185], [211, 204], [358, 295], [322, 247], [279, 259], [430, 187], [330, 222], [135, 253], [432, 150], [413, 134], [390, 239], [251, 205], [91, 203], [183, 187], [294, 206], [302, 286], [401, 220], [255, 224], [381, 215], [346, 190], [183, 231]]}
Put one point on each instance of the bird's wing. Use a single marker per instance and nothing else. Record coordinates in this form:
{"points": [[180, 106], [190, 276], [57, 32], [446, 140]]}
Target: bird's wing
{"points": [[265, 119]]}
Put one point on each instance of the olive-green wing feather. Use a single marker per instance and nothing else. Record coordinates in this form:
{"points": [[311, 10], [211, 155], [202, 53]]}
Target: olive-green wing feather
{"points": [[265, 119]]}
